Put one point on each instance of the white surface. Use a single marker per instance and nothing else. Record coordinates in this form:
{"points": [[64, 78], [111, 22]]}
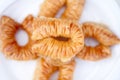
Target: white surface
{"points": [[118, 1], [103, 11], [4, 4]]}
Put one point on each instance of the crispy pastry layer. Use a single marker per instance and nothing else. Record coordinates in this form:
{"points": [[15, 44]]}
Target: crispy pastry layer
{"points": [[57, 39], [103, 35], [10, 48], [44, 70], [73, 9], [94, 53]]}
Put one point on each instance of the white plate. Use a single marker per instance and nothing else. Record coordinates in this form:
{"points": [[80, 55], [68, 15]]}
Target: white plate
{"points": [[102, 11]]}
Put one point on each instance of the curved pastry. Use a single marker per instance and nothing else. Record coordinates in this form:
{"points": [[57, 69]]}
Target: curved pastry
{"points": [[53, 37], [57, 39], [66, 71], [104, 36], [11, 49], [101, 33], [94, 53], [73, 9], [45, 69], [27, 24], [49, 8]]}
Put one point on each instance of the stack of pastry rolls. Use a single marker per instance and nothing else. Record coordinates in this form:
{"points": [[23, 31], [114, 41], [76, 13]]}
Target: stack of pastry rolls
{"points": [[56, 42]]}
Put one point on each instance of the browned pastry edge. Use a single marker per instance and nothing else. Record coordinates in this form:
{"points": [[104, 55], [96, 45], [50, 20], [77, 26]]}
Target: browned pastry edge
{"points": [[57, 39], [94, 53], [73, 9], [103, 35], [9, 46], [44, 70], [49, 8]]}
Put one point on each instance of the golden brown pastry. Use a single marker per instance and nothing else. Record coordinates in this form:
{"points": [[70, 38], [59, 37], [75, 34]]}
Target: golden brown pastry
{"points": [[66, 71], [94, 53], [49, 8], [9, 46], [57, 39], [45, 69], [103, 35], [73, 9], [27, 24], [57, 42]]}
